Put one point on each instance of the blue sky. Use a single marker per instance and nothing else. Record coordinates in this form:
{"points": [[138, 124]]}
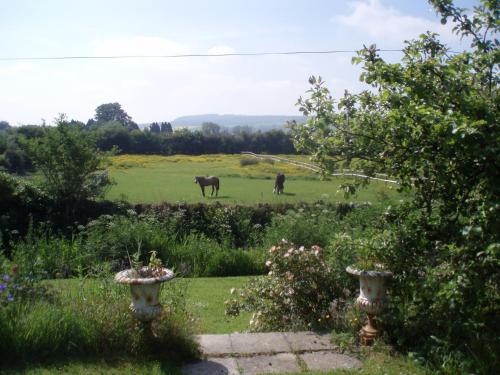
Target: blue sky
{"points": [[162, 89]]}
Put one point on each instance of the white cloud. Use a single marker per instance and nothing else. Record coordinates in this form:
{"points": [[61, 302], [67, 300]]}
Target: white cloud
{"points": [[386, 25]]}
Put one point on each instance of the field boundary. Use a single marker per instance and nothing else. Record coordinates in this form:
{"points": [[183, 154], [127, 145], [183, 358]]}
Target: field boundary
{"points": [[316, 169]]}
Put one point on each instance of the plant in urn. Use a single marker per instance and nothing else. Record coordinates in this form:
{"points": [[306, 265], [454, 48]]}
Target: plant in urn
{"points": [[145, 285], [372, 288]]}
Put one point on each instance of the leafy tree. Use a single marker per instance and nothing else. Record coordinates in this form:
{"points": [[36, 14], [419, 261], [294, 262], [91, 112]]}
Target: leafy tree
{"points": [[240, 129], [154, 128], [210, 128], [111, 135], [71, 165], [166, 128], [4, 125], [431, 122], [111, 112]]}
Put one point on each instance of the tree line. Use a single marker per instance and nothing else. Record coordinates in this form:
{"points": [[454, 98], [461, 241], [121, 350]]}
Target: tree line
{"points": [[113, 129]]}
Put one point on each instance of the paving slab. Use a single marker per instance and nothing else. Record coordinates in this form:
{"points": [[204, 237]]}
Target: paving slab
{"points": [[318, 361], [255, 343], [212, 366], [215, 344], [265, 364], [308, 341]]}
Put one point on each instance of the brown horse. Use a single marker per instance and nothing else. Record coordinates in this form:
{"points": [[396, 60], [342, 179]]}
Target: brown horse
{"points": [[279, 183], [208, 181]]}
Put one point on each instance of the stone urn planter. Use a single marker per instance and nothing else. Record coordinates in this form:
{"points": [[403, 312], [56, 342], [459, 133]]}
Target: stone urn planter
{"points": [[145, 284], [371, 299]]}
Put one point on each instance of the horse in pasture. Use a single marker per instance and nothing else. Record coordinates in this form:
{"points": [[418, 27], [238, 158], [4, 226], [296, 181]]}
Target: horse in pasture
{"points": [[279, 183], [208, 181]]}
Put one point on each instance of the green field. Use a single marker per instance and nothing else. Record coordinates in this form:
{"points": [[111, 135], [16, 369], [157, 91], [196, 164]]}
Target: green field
{"points": [[148, 179]]}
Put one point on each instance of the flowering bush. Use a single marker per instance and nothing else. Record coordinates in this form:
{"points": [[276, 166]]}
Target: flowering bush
{"points": [[7, 287], [297, 293]]}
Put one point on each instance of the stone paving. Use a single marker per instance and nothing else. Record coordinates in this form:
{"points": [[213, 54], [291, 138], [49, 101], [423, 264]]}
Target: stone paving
{"points": [[268, 353]]}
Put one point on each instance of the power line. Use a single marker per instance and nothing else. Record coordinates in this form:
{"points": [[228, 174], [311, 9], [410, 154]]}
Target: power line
{"points": [[185, 55]]}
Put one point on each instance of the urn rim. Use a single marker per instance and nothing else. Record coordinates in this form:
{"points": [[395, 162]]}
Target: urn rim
{"points": [[130, 276], [370, 273]]}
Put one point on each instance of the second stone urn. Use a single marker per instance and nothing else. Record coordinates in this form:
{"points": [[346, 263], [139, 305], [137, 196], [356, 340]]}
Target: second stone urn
{"points": [[145, 284], [371, 299]]}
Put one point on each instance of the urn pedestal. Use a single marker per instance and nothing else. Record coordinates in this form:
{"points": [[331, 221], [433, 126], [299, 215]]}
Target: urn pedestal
{"points": [[371, 299]]}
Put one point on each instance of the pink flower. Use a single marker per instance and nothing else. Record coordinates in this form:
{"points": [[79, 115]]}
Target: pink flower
{"points": [[273, 249]]}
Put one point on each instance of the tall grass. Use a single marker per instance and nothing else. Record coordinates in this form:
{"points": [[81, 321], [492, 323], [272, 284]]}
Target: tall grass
{"points": [[92, 321]]}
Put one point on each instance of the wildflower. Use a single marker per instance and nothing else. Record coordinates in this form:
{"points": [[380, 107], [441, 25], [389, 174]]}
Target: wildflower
{"points": [[301, 249], [10, 298], [269, 263], [15, 269], [286, 255], [273, 249], [289, 276], [6, 278], [316, 250], [3, 287]]}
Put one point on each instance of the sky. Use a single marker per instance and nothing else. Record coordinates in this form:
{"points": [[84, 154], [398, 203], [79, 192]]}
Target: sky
{"points": [[163, 89]]}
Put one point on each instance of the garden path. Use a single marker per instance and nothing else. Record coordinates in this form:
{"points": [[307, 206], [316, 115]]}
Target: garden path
{"points": [[272, 352]]}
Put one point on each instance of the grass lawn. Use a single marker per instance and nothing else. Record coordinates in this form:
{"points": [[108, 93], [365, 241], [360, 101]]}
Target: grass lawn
{"points": [[205, 297], [151, 178]]}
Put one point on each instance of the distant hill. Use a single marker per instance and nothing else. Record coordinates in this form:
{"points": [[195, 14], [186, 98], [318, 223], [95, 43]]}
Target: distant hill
{"points": [[256, 122]]}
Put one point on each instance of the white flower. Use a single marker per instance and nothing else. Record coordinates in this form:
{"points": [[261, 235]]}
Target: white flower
{"points": [[269, 263], [232, 290]]}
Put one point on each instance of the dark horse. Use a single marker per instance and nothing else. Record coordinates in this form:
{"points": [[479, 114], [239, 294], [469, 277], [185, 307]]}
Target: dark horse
{"points": [[208, 181], [279, 183]]}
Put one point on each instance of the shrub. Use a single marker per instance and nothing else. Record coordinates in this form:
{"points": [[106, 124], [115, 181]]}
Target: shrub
{"points": [[21, 201], [307, 227], [248, 161], [198, 255], [114, 238], [298, 293]]}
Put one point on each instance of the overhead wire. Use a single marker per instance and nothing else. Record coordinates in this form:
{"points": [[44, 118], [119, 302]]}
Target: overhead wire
{"points": [[89, 57]]}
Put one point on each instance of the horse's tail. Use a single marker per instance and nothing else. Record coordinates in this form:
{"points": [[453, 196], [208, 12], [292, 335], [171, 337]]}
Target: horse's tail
{"points": [[217, 183]]}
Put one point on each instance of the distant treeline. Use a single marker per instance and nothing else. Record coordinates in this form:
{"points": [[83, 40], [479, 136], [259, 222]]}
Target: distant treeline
{"points": [[113, 128]]}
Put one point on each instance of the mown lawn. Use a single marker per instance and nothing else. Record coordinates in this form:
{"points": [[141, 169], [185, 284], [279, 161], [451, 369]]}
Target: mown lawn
{"points": [[151, 178]]}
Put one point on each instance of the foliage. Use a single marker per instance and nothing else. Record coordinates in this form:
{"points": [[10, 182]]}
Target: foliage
{"points": [[210, 128], [21, 201], [431, 122], [70, 164], [307, 227], [296, 294], [248, 161], [93, 321], [113, 112], [4, 125]]}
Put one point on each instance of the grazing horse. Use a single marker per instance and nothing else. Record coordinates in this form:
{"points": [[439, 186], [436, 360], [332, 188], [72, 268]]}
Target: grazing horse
{"points": [[208, 181], [279, 183]]}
